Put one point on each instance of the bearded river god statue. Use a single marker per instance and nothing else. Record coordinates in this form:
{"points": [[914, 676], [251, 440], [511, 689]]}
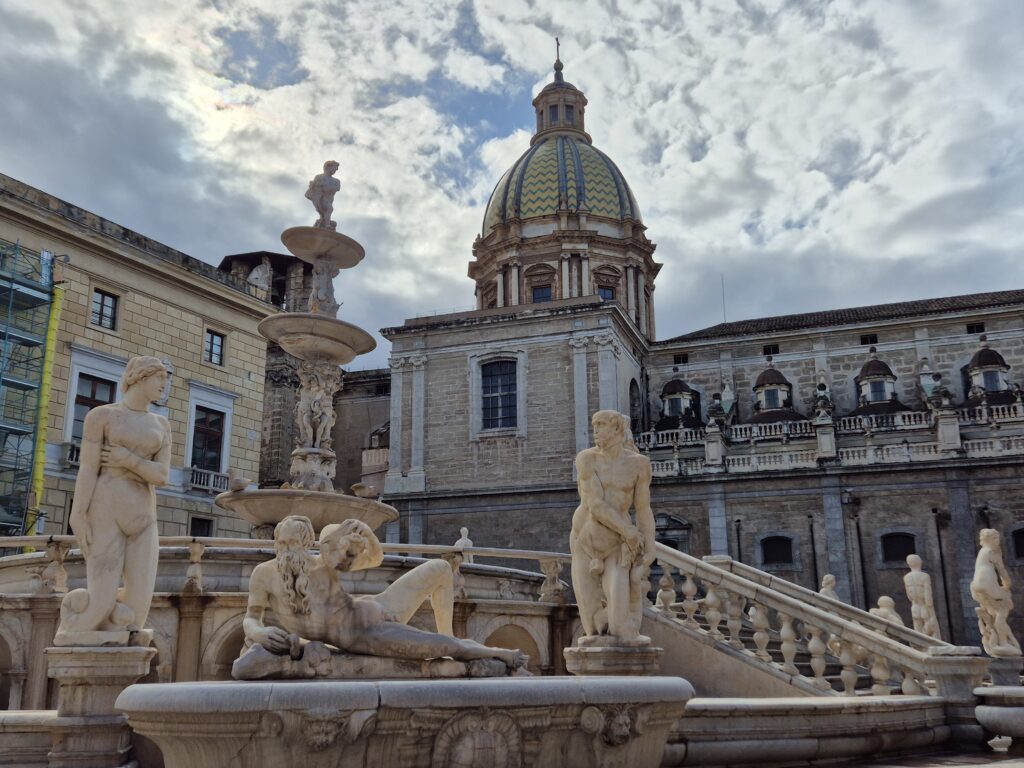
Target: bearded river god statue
{"points": [[319, 630]]}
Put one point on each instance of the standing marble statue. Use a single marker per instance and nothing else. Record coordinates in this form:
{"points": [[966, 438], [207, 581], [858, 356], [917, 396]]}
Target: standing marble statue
{"points": [[887, 610], [991, 588], [918, 586], [126, 455], [464, 542], [828, 587], [611, 554], [321, 192], [308, 602]]}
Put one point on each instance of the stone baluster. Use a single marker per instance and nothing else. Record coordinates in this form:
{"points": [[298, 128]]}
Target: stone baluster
{"points": [[911, 684], [712, 614], [880, 675], [759, 618], [667, 592], [816, 647], [848, 659], [194, 574], [734, 610], [788, 636], [689, 591], [553, 589]]}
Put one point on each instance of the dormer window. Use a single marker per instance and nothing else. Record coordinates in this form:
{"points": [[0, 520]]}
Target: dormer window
{"points": [[878, 391], [772, 399], [675, 405], [993, 382]]}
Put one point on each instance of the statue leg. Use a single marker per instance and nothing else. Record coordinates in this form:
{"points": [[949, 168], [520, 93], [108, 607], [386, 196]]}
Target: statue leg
{"points": [[401, 641], [587, 587], [140, 562], [616, 587], [432, 579], [102, 575]]}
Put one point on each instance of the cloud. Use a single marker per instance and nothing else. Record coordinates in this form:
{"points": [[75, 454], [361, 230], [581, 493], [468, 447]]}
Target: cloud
{"points": [[818, 155]]}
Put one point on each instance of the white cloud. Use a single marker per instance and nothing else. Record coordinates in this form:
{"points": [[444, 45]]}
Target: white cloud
{"points": [[472, 71]]}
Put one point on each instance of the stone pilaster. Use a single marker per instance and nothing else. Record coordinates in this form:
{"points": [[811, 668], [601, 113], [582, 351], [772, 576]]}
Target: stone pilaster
{"points": [[607, 372], [190, 624], [393, 480], [581, 406], [717, 526], [565, 277], [835, 538], [417, 478]]}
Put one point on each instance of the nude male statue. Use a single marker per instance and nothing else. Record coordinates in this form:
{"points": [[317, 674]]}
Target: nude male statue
{"points": [[611, 554], [321, 192], [991, 588], [308, 601], [918, 586]]}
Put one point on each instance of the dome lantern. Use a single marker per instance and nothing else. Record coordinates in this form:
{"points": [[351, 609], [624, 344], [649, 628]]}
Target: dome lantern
{"points": [[559, 107]]}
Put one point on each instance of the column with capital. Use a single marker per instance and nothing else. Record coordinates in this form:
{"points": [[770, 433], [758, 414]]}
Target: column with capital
{"points": [[631, 292], [513, 287], [586, 275], [641, 290], [393, 480], [609, 350], [501, 287], [565, 277], [416, 480], [581, 406]]}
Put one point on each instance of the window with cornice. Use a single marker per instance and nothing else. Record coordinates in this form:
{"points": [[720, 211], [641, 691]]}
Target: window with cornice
{"points": [[498, 390]]}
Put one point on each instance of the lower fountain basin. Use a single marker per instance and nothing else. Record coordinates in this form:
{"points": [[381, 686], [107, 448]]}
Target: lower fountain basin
{"points": [[548, 722], [272, 505], [308, 336]]}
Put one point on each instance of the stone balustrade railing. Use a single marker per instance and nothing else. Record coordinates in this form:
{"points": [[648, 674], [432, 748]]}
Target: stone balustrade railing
{"points": [[885, 422], [989, 414], [53, 577], [774, 431], [825, 634], [999, 446], [755, 462], [206, 480]]}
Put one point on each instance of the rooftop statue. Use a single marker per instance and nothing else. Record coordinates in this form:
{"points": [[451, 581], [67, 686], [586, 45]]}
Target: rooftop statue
{"points": [[321, 192], [611, 554], [126, 455], [313, 614], [991, 588]]}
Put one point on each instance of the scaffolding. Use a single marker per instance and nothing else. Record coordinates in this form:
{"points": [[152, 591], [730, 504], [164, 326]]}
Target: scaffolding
{"points": [[26, 295]]}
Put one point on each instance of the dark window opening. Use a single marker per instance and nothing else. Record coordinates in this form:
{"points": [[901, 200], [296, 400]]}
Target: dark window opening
{"points": [[867, 339], [606, 292], [1018, 544], [104, 309], [975, 327], [541, 293], [92, 391], [682, 359], [896, 547], [207, 439], [553, 114], [675, 406], [992, 381], [770, 349], [771, 398], [777, 550], [878, 391], [499, 394], [200, 526], [570, 116], [213, 348]]}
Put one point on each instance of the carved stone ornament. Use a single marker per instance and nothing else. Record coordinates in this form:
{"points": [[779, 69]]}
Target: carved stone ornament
{"points": [[323, 728], [481, 739]]}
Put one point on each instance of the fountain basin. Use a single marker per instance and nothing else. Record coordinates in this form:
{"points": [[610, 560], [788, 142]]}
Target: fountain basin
{"points": [[312, 243], [308, 336], [272, 505], [547, 722]]}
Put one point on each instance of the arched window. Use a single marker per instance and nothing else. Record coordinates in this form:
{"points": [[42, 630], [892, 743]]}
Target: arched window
{"points": [[896, 547], [498, 389], [777, 550]]}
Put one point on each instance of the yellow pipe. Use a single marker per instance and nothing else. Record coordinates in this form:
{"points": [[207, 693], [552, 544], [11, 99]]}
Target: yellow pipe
{"points": [[42, 419]]}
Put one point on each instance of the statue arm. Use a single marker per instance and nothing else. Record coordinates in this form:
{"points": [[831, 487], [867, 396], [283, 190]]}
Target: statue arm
{"points": [[274, 639], [88, 474], [156, 471], [592, 496], [644, 515], [1000, 566]]}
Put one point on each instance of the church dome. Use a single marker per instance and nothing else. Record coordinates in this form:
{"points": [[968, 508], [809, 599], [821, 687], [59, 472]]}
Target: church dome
{"points": [[561, 173]]}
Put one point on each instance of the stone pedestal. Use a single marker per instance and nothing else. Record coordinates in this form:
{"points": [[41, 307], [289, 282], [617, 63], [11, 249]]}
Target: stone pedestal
{"points": [[1006, 670], [88, 731], [612, 656], [1001, 712]]}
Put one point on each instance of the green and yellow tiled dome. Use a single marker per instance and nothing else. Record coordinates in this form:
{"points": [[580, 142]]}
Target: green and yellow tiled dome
{"points": [[561, 169]]}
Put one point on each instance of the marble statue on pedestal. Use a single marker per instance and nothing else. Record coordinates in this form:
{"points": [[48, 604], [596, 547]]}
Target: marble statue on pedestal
{"points": [[887, 610], [918, 586], [611, 554], [126, 455], [464, 542], [828, 586], [991, 588], [313, 614], [321, 192]]}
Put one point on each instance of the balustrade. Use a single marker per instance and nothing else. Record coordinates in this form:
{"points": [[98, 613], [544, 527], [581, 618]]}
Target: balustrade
{"points": [[207, 480]]}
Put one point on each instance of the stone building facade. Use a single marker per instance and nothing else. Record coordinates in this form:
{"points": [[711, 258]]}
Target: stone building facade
{"points": [[832, 442], [125, 295]]}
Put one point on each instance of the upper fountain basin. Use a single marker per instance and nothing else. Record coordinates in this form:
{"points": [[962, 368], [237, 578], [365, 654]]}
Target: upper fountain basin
{"points": [[312, 243]]}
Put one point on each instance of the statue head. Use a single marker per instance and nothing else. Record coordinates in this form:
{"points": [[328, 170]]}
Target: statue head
{"points": [[293, 537], [610, 428], [464, 532], [828, 581], [915, 562], [886, 602], [989, 537], [331, 167], [145, 371], [350, 546]]}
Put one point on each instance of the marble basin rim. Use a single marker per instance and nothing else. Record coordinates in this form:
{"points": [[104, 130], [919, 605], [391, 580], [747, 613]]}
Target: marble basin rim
{"points": [[312, 243], [1001, 711], [269, 506], [309, 336]]}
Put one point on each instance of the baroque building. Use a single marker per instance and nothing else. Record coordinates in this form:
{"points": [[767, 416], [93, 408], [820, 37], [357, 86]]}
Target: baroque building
{"points": [[829, 442]]}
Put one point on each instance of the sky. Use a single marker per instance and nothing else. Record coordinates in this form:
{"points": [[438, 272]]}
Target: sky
{"points": [[813, 154]]}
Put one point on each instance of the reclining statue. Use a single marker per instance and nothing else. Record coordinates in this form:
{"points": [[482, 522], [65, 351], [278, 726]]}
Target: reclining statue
{"points": [[313, 615]]}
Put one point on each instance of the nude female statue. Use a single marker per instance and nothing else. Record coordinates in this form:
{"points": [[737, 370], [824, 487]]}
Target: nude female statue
{"points": [[309, 602], [991, 588], [126, 455]]}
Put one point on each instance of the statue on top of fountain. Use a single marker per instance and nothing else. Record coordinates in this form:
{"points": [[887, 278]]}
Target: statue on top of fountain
{"points": [[321, 192], [315, 618]]}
